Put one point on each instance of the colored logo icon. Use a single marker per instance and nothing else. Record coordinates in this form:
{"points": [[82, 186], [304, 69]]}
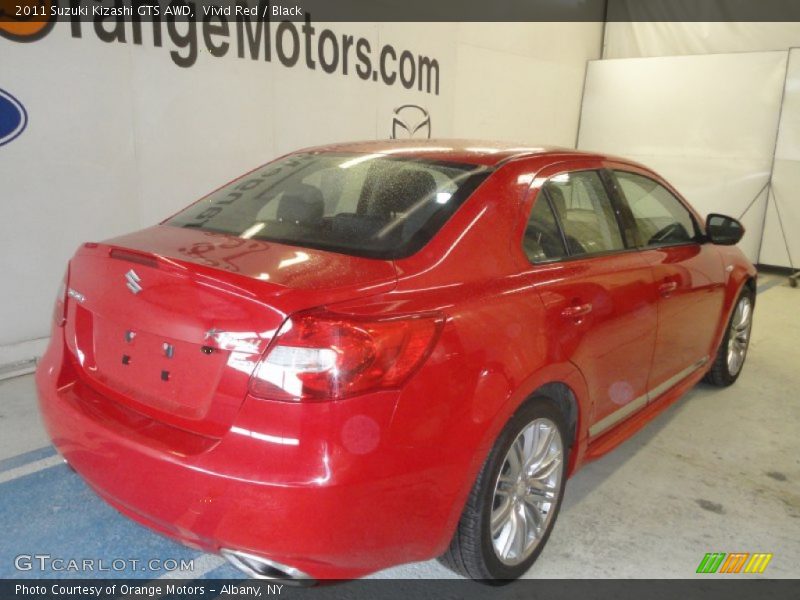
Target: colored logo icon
{"points": [[735, 562], [26, 20], [13, 118]]}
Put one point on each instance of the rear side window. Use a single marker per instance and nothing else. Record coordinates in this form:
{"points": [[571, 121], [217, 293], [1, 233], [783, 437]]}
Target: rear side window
{"points": [[361, 204], [542, 241], [585, 212], [661, 219]]}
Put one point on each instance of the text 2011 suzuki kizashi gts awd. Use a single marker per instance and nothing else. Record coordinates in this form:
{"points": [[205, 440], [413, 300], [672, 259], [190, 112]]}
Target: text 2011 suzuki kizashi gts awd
{"points": [[372, 353]]}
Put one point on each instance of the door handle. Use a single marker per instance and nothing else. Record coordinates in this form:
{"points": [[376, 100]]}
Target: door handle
{"points": [[577, 311], [666, 288]]}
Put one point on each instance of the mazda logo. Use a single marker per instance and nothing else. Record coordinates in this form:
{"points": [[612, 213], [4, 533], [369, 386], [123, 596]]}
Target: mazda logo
{"points": [[411, 121]]}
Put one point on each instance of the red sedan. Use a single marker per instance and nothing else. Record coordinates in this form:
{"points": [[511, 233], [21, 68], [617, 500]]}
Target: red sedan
{"points": [[367, 354]]}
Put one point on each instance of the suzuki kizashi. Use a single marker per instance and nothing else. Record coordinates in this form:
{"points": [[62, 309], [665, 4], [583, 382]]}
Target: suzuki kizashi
{"points": [[372, 353]]}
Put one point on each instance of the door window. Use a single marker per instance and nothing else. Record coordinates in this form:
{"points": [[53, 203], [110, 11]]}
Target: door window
{"points": [[585, 212], [661, 219], [543, 241]]}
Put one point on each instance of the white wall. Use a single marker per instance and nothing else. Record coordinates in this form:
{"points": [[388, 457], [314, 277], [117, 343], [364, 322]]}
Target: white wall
{"points": [[707, 123], [781, 243], [642, 39], [119, 137], [522, 81]]}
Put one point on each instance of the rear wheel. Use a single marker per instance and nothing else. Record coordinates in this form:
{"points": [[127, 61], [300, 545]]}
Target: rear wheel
{"points": [[513, 505], [733, 349]]}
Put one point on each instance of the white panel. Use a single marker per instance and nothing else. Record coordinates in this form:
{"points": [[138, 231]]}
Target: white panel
{"points": [[707, 123], [70, 177], [643, 39], [789, 134], [784, 206], [783, 219]]}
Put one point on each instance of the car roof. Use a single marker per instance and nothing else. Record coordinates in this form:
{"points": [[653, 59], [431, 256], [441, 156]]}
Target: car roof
{"points": [[479, 152]]}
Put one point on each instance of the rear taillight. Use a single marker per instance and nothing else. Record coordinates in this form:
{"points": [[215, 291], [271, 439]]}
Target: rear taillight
{"points": [[321, 356], [60, 309]]}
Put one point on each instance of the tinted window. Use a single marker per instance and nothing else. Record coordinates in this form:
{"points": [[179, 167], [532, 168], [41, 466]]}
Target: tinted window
{"points": [[585, 212], [362, 204], [660, 217], [542, 239]]}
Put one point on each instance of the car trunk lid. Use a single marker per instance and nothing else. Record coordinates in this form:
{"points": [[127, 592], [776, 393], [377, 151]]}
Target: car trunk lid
{"points": [[171, 322]]}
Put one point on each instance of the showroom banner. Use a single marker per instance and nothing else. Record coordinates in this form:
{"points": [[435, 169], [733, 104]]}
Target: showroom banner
{"points": [[781, 246], [101, 135], [707, 123]]}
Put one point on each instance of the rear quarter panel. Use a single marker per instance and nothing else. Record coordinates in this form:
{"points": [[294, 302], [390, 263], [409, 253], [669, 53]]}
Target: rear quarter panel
{"points": [[490, 356]]}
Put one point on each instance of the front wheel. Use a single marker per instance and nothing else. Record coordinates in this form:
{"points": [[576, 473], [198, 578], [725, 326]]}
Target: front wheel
{"points": [[513, 505], [733, 349]]}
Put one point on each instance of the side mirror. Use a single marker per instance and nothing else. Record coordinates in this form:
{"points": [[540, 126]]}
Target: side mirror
{"points": [[722, 230]]}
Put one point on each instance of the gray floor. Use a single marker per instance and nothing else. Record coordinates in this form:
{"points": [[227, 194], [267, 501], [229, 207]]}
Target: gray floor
{"points": [[718, 472]]}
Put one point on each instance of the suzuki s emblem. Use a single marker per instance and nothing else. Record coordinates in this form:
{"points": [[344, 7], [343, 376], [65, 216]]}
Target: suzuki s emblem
{"points": [[133, 280]]}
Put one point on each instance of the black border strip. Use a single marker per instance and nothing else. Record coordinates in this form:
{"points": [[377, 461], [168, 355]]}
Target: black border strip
{"points": [[472, 10], [728, 587]]}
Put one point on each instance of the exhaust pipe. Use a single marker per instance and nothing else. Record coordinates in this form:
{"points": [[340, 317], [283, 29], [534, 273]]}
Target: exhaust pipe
{"points": [[258, 567]]}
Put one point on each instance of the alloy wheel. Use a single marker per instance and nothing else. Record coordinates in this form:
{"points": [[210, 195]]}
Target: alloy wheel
{"points": [[739, 334], [526, 492]]}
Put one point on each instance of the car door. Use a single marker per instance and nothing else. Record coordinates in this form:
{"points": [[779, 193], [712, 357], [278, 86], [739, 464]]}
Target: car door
{"points": [[597, 289], [689, 275]]}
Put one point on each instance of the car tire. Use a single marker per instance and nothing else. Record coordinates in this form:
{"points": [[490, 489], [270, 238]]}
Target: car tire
{"points": [[729, 361], [476, 551]]}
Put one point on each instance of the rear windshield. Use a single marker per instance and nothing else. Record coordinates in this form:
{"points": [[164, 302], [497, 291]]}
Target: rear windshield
{"points": [[362, 204]]}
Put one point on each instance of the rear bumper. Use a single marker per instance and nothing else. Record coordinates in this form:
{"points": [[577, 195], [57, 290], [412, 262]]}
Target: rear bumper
{"points": [[316, 486]]}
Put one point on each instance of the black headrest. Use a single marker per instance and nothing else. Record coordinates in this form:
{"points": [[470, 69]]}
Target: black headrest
{"points": [[302, 204], [402, 191]]}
